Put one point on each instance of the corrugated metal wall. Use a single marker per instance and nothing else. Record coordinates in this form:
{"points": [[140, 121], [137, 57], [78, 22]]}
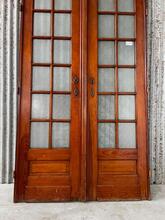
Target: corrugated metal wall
{"points": [[8, 83]]}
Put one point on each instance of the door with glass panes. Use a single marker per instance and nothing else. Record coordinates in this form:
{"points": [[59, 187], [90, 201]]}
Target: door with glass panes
{"points": [[82, 129]]}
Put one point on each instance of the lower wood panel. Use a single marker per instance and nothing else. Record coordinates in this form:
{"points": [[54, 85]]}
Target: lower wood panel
{"points": [[47, 194], [47, 180], [118, 187]]}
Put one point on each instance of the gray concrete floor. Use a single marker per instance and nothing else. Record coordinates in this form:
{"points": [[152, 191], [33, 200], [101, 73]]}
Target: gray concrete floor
{"points": [[145, 210]]}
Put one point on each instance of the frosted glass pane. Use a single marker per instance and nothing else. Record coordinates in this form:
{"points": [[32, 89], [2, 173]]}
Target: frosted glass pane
{"points": [[42, 4], [39, 135], [106, 107], [126, 53], [61, 106], [127, 107], [41, 78], [106, 133], [61, 135], [41, 51], [61, 79], [126, 80], [106, 80], [41, 24], [63, 4], [106, 26], [106, 52], [126, 5], [40, 106], [106, 5], [127, 135], [62, 51], [62, 25], [126, 26]]}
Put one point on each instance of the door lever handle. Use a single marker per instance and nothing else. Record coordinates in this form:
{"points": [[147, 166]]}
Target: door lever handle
{"points": [[75, 79], [76, 91]]}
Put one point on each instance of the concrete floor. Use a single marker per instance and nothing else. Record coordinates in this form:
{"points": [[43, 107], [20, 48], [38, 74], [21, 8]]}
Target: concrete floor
{"points": [[146, 210]]}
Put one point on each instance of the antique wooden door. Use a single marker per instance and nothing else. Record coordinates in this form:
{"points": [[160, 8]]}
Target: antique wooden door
{"points": [[82, 130]]}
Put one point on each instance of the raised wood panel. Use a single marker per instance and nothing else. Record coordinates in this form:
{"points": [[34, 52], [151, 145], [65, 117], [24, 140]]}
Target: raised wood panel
{"points": [[45, 194], [118, 192], [49, 167], [113, 180], [47, 180], [118, 167], [40, 154], [126, 154]]}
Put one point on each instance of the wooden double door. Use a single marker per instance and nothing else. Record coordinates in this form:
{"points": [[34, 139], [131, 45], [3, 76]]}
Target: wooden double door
{"points": [[82, 130]]}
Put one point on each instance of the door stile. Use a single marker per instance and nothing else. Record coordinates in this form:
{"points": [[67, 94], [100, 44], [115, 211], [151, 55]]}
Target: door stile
{"points": [[76, 103], [141, 102], [25, 102], [92, 101]]}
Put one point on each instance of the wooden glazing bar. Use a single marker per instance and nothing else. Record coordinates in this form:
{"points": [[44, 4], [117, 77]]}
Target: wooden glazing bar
{"points": [[53, 92], [116, 13], [117, 93], [117, 39], [50, 120], [116, 121], [52, 38], [119, 66], [50, 11]]}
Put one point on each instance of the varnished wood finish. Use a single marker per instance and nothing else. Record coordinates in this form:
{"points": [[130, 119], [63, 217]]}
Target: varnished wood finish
{"points": [[84, 171]]}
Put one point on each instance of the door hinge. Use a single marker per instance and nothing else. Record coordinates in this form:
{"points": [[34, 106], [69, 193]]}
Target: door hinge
{"points": [[18, 91], [14, 175], [21, 6]]}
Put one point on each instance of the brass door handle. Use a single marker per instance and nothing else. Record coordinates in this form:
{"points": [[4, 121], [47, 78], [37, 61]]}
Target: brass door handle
{"points": [[75, 79], [92, 89]]}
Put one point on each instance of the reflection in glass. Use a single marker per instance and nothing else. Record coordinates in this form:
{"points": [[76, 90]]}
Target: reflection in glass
{"points": [[106, 80], [106, 26], [61, 79], [61, 135], [63, 4], [40, 106], [127, 135], [61, 106], [62, 51], [41, 78], [126, 53], [106, 107], [106, 135], [127, 107], [41, 51], [62, 25], [106, 53], [39, 135], [126, 26], [106, 5], [43, 4], [41, 24], [126, 80], [126, 6]]}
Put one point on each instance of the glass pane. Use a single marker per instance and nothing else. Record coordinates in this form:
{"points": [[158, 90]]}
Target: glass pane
{"points": [[126, 6], [127, 107], [127, 135], [126, 53], [40, 106], [61, 79], [62, 25], [41, 78], [106, 53], [63, 4], [106, 26], [126, 80], [39, 135], [61, 135], [106, 80], [106, 135], [41, 51], [61, 106], [126, 26], [62, 51], [106, 5], [106, 107], [43, 4], [41, 24]]}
